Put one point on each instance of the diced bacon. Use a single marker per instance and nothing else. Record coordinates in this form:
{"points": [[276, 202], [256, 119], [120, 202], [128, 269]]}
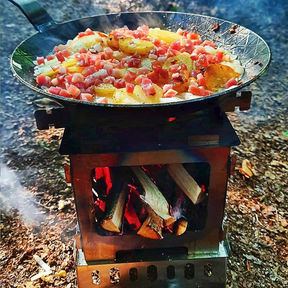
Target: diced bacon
{"points": [[144, 29], [174, 68], [143, 70], [43, 80], [55, 82], [147, 86], [109, 80], [180, 31], [63, 70], [64, 93], [202, 60], [102, 73], [138, 80], [74, 91], [108, 52], [119, 83], [152, 56], [60, 56], [54, 90], [209, 43], [170, 93], [116, 73], [77, 78], [198, 91], [129, 76], [129, 88], [162, 59], [82, 50], [88, 71], [40, 60], [153, 76], [86, 97], [50, 57], [175, 75], [102, 100], [166, 87]]}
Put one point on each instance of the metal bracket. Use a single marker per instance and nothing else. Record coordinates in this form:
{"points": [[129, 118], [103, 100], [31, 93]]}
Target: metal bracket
{"points": [[59, 118], [231, 101]]}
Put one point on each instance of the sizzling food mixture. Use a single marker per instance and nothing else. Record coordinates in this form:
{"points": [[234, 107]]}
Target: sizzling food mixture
{"points": [[143, 66]]}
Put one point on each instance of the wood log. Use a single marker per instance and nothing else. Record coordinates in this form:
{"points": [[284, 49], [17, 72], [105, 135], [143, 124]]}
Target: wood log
{"points": [[152, 226], [186, 182], [116, 200], [153, 197], [180, 226]]}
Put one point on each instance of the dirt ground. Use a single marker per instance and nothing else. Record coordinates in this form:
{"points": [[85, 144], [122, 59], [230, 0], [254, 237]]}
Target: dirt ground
{"points": [[37, 207]]}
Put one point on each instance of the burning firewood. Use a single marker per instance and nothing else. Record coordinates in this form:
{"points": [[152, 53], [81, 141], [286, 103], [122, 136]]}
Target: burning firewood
{"points": [[153, 197], [152, 226], [180, 226], [179, 206], [186, 182], [116, 200]]}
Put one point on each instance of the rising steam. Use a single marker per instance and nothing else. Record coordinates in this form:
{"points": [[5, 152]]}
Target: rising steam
{"points": [[14, 196]]}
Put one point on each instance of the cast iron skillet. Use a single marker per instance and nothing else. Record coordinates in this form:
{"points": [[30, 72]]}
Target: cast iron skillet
{"points": [[251, 49]]}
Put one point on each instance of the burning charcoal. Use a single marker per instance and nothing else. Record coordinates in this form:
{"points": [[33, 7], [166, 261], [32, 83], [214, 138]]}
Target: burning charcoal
{"points": [[186, 182], [152, 226], [152, 196]]}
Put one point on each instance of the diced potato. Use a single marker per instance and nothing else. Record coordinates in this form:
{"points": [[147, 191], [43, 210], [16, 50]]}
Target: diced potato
{"points": [[141, 97], [105, 90], [85, 42], [76, 69], [131, 46], [217, 75], [164, 35], [122, 97], [181, 58], [68, 63], [111, 42]]}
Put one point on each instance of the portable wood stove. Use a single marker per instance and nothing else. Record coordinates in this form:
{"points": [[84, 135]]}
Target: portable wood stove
{"points": [[201, 142]]}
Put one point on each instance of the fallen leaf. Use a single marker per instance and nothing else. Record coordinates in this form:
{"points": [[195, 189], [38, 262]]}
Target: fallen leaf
{"points": [[246, 169]]}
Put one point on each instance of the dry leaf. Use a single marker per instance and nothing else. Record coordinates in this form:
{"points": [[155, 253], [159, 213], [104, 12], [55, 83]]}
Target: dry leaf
{"points": [[246, 169]]}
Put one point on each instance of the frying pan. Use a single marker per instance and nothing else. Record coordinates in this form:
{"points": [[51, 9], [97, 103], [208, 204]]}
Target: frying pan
{"points": [[251, 49]]}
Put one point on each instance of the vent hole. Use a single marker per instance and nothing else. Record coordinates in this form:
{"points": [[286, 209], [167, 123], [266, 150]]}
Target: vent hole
{"points": [[96, 279], [114, 275], [133, 274], [152, 273], [170, 272], [208, 270], [189, 271]]}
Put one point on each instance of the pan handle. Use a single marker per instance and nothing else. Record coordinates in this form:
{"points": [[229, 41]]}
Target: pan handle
{"points": [[36, 14]]}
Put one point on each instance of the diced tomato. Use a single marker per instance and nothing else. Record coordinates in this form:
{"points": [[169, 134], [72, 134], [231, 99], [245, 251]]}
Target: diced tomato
{"points": [[68, 78], [65, 93], [74, 91], [218, 56], [230, 82], [129, 88], [40, 60], [198, 91], [119, 83], [129, 76], [170, 93], [176, 45], [164, 73], [209, 43], [54, 90], [50, 57], [200, 79], [202, 60], [86, 97], [43, 80], [147, 86]]}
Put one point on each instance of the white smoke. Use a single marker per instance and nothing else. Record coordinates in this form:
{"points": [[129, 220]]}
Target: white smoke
{"points": [[14, 196]]}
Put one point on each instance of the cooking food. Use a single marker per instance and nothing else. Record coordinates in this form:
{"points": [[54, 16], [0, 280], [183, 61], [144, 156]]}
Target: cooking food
{"points": [[143, 66]]}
